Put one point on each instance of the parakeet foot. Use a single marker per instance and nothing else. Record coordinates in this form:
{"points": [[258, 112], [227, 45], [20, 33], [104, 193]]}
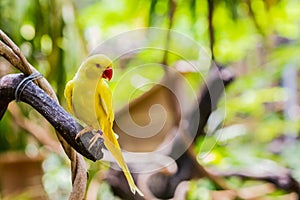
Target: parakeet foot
{"points": [[95, 138], [83, 131]]}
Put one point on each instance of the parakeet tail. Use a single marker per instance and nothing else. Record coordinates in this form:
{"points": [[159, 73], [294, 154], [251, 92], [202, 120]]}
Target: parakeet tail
{"points": [[113, 146]]}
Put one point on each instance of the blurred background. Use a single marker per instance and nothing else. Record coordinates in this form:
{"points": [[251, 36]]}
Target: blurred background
{"points": [[259, 125]]}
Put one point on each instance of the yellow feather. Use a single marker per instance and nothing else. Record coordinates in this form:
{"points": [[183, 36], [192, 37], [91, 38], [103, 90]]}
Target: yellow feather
{"points": [[89, 98], [68, 95]]}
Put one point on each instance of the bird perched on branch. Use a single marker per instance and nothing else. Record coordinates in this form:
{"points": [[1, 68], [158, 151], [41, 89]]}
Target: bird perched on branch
{"points": [[89, 99]]}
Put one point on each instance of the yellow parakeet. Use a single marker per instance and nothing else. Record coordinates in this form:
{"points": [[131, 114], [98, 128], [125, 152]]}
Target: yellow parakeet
{"points": [[89, 99]]}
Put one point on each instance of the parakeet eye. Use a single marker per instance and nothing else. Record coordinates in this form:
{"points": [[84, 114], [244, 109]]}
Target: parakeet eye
{"points": [[98, 65]]}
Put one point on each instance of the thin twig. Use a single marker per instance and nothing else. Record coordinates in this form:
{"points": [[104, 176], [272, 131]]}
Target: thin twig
{"points": [[210, 4], [38, 131], [26, 66], [11, 57]]}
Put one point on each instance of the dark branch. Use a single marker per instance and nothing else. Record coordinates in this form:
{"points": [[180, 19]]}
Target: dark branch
{"points": [[54, 113], [210, 94], [210, 4], [163, 185], [280, 177]]}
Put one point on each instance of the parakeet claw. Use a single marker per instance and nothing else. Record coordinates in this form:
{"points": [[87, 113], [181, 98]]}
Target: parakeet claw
{"points": [[95, 138], [83, 131]]}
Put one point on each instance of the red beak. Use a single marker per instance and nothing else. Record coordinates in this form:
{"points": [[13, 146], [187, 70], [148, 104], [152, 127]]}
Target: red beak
{"points": [[108, 72]]}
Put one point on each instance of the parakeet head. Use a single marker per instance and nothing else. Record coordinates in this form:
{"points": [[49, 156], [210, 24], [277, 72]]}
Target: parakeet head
{"points": [[98, 66]]}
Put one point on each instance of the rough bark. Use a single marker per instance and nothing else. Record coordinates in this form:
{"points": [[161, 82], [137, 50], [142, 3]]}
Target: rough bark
{"points": [[54, 113]]}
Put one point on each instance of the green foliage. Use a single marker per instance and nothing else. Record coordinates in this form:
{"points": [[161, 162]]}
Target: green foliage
{"points": [[200, 190], [14, 138], [57, 177]]}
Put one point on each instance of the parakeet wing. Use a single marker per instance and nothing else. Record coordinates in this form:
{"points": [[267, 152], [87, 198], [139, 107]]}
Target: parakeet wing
{"points": [[105, 116], [68, 95], [103, 101]]}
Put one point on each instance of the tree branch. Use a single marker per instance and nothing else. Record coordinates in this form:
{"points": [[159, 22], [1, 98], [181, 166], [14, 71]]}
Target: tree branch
{"points": [[188, 166], [210, 95], [279, 176], [54, 113], [12, 53]]}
